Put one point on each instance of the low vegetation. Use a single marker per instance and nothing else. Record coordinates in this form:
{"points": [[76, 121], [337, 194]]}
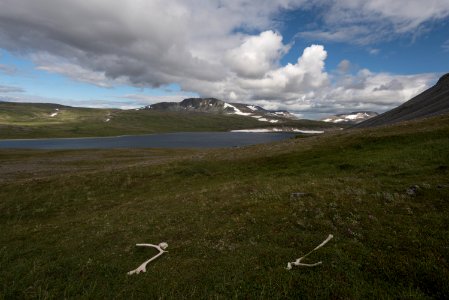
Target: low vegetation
{"points": [[69, 224], [19, 120]]}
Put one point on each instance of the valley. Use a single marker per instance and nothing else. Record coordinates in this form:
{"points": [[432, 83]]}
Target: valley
{"points": [[70, 219]]}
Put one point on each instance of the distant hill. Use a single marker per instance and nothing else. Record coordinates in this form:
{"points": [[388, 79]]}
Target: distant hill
{"points": [[41, 120], [351, 118], [212, 105], [432, 102]]}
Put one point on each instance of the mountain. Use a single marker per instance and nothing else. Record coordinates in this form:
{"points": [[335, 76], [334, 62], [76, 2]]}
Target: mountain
{"points": [[351, 118], [212, 105], [44, 120], [432, 102]]}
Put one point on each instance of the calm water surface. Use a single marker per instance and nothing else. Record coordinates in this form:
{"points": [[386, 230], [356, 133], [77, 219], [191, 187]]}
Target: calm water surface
{"points": [[166, 140]]}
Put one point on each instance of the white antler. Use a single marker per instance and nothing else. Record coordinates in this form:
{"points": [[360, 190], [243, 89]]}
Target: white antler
{"points": [[143, 267], [300, 264]]}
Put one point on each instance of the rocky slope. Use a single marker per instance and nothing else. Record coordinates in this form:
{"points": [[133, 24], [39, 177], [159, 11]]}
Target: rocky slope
{"points": [[432, 102], [212, 105], [351, 118]]}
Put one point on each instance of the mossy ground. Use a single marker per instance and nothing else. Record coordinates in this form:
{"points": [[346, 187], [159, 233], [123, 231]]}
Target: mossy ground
{"points": [[68, 225]]}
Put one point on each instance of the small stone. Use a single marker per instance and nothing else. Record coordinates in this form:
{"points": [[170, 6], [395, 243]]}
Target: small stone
{"points": [[412, 190]]}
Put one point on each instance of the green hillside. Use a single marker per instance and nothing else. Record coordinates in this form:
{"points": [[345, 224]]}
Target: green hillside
{"points": [[29, 120], [69, 220]]}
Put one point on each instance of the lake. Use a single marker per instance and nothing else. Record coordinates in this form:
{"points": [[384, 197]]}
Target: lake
{"points": [[164, 140]]}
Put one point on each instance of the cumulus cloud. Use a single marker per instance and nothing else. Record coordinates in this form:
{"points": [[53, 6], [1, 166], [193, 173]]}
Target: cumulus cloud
{"points": [[284, 83], [377, 89], [257, 55], [364, 90], [225, 49], [293, 79], [150, 43]]}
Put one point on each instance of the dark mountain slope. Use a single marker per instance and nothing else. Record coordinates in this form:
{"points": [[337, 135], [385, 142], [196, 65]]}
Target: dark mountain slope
{"points": [[212, 105], [432, 102]]}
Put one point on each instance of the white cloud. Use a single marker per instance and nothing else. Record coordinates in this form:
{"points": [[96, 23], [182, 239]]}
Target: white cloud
{"points": [[225, 49], [150, 43], [292, 81], [256, 55], [374, 51], [304, 76], [368, 91], [366, 22], [50, 63], [377, 89], [405, 15]]}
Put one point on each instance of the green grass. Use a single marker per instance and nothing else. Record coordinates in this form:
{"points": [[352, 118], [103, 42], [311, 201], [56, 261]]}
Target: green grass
{"points": [[27, 120], [69, 219]]}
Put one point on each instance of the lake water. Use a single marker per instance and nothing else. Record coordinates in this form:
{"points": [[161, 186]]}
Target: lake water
{"points": [[165, 140]]}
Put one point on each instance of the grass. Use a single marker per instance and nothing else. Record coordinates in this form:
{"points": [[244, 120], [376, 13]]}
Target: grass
{"points": [[29, 120], [68, 223]]}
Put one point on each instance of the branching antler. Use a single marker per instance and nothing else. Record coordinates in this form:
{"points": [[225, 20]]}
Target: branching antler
{"points": [[300, 264], [143, 267]]}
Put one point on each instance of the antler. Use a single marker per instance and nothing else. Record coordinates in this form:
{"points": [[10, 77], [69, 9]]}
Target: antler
{"points": [[143, 267], [300, 264]]}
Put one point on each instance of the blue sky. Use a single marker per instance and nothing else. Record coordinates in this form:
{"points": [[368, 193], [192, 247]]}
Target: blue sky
{"points": [[313, 58], [418, 51]]}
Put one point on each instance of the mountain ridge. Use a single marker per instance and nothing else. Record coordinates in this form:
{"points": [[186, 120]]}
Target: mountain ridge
{"points": [[432, 102], [214, 105]]}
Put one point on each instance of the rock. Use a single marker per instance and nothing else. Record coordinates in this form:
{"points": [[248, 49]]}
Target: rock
{"points": [[412, 190]]}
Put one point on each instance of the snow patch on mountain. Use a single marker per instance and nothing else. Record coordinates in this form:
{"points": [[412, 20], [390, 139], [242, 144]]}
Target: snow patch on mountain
{"points": [[236, 110], [351, 118], [213, 105], [261, 130], [54, 114]]}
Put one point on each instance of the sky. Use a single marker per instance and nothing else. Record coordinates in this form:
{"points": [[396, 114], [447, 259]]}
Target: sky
{"points": [[312, 57]]}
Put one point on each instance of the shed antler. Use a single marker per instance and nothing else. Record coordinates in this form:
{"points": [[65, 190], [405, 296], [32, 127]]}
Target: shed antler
{"points": [[300, 264], [143, 267]]}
